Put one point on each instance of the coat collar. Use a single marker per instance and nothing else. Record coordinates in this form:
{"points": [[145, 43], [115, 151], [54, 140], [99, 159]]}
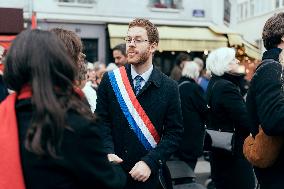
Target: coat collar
{"points": [[155, 76]]}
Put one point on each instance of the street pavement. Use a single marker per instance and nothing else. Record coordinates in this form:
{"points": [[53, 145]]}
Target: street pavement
{"points": [[202, 171]]}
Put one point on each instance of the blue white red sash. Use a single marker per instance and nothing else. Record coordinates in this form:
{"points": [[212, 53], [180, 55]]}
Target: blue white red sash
{"points": [[134, 113]]}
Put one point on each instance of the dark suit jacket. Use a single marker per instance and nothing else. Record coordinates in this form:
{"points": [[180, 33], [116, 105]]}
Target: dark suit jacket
{"points": [[82, 164], [160, 100]]}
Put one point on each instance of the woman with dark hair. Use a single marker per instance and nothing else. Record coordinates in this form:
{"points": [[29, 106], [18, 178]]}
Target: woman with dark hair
{"points": [[58, 137]]}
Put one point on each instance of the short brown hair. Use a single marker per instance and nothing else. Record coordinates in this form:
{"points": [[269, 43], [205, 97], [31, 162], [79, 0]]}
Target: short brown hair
{"points": [[273, 31], [151, 29], [71, 41]]}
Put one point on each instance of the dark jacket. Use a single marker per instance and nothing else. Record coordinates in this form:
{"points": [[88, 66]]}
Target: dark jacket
{"points": [[228, 113], [160, 99], [228, 109], [194, 112], [265, 102], [82, 163]]}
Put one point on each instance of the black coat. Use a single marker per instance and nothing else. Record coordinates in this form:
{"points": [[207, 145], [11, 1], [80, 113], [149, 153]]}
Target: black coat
{"points": [[228, 112], [160, 99], [194, 112], [265, 102], [228, 108], [82, 164]]}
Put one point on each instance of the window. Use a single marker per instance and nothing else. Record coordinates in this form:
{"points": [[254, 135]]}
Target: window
{"points": [[227, 11], [252, 8], [67, 1], [91, 49], [78, 2], [166, 4], [277, 3]]}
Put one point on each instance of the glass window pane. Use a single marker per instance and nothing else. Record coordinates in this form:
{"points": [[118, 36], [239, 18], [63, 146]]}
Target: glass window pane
{"points": [[277, 3], [67, 1]]}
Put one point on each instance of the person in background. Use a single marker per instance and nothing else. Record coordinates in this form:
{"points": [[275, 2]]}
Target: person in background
{"points": [[180, 60], [54, 139], [142, 142], [229, 169], [204, 77], [194, 114], [119, 54], [100, 69], [265, 98], [3, 89]]}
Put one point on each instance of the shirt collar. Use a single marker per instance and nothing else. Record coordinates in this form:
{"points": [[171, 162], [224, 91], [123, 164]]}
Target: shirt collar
{"points": [[145, 75]]}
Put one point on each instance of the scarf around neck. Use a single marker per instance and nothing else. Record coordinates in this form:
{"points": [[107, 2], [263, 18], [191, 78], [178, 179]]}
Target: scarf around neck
{"points": [[11, 174]]}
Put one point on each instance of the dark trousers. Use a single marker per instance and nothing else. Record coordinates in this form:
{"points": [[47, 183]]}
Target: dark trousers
{"points": [[231, 171], [151, 183]]}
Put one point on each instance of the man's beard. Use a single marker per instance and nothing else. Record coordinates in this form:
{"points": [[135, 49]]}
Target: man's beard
{"points": [[142, 59]]}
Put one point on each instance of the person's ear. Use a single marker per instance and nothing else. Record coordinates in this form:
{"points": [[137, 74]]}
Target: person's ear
{"points": [[154, 47]]}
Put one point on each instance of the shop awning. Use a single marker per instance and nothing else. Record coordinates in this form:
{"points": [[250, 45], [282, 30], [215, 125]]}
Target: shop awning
{"points": [[176, 38], [250, 50]]}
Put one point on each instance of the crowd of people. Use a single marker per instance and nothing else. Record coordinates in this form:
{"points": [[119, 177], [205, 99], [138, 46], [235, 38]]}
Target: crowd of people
{"points": [[67, 123]]}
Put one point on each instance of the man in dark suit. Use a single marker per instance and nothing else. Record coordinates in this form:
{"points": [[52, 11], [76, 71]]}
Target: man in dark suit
{"points": [[158, 96]]}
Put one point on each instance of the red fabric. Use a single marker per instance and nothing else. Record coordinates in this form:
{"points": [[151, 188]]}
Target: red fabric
{"points": [[2, 67], [137, 105], [79, 92], [6, 40], [34, 21], [11, 174]]}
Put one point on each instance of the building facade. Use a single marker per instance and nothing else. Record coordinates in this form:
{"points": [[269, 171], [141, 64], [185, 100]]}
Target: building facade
{"points": [[252, 15], [192, 26]]}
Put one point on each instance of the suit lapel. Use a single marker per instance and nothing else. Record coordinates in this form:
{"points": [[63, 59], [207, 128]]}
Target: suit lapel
{"points": [[155, 78]]}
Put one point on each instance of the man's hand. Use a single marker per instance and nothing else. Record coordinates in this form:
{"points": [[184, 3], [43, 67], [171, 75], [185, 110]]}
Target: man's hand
{"points": [[114, 158], [140, 171]]}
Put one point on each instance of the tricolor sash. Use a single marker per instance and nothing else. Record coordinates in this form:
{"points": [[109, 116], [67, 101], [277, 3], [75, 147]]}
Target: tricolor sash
{"points": [[132, 110]]}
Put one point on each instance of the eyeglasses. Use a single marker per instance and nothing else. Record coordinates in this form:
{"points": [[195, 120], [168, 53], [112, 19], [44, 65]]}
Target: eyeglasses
{"points": [[128, 40]]}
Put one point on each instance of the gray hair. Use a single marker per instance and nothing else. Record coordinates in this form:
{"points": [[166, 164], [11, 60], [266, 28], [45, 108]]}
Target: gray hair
{"points": [[218, 61], [191, 70]]}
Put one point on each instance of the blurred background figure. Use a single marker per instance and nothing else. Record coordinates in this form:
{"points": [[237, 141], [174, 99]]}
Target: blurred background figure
{"points": [[204, 77], [59, 141], [3, 88], [119, 54], [100, 69], [194, 112], [180, 60], [227, 112]]}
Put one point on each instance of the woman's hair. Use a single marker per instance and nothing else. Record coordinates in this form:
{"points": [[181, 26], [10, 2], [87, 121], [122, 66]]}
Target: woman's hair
{"points": [[37, 58], [218, 60], [74, 47], [191, 70]]}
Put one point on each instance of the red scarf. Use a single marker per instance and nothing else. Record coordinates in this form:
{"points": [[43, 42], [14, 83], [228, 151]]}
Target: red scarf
{"points": [[11, 174]]}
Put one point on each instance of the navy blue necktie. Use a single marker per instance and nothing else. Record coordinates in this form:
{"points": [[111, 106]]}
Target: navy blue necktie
{"points": [[138, 79]]}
